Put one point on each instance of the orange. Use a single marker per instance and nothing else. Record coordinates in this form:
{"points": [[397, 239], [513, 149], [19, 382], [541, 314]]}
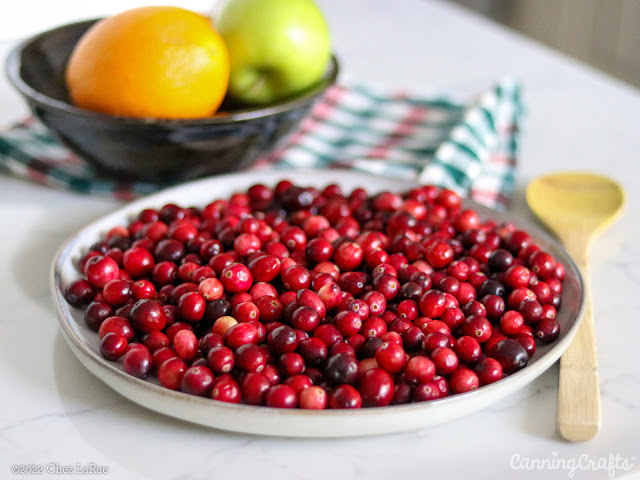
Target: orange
{"points": [[150, 62]]}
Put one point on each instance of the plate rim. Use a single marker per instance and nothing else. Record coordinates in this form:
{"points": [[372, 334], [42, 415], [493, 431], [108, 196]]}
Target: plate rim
{"points": [[100, 367]]}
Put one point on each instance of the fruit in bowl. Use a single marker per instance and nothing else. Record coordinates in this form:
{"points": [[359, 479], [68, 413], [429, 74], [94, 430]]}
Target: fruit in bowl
{"points": [[358, 299], [150, 62], [149, 147], [277, 48]]}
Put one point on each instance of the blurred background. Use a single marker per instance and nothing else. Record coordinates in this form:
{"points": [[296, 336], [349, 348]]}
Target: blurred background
{"points": [[602, 33]]}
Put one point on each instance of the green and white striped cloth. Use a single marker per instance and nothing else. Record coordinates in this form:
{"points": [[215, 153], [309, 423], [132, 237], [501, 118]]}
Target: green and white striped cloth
{"points": [[469, 147]]}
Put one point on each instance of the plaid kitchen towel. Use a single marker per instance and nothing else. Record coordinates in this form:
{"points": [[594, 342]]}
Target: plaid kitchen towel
{"points": [[469, 147]]}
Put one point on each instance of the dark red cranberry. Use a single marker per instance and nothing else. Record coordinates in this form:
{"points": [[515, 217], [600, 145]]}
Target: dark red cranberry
{"points": [[342, 369], [79, 293], [547, 330], [251, 358], [426, 391], [500, 260], [96, 313], [511, 355], [492, 287]]}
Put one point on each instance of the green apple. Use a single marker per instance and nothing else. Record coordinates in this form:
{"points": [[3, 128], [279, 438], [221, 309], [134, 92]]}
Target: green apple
{"points": [[276, 48]]}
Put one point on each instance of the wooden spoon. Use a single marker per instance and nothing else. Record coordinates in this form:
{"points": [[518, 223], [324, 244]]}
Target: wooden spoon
{"points": [[577, 206]]}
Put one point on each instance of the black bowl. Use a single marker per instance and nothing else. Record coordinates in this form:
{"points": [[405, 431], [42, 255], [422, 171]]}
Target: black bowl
{"points": [[153, 150]]}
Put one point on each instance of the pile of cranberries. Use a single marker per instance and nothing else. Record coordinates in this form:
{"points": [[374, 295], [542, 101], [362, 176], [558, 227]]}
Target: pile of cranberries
{"points": [[299, 297]]}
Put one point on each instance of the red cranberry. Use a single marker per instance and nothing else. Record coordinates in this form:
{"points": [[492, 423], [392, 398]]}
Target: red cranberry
{"points": [[468, 349], [148, 316], [445, 360], [116, 324], [254, 388], [376, 388], [170, 373], [220, 359], [426, 391], [236, 278], [345, 396], [419, 369], [137, 362], [391, 357], [488, 370], [197, 381], [433, 304], [101, 270], [113, 346], [226, 390], [463, 380], [281, 396]]}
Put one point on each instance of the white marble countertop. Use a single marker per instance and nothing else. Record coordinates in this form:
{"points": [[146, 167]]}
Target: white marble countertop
{"points": [[53, 410]]}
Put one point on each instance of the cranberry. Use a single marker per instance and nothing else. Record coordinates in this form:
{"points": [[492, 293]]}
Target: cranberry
{"points": [[419, 369], [254, 388], [500, 260], [468, 349], [283, 340], [306, 319], [236, 278], [342, 369], [489, 370], [433, 304], [96, 313], [148, 316], [226, 390], [527, 341], [116, 324], [376, 388], [391, 357], [511, 355], [185, 344], [463, 380], [220, 359], [281, 396], [345, 396], [251, 358], [113, 345], [197, 381], [445, 360], [547, 330], [511, 322], [101, 270], [170, 373], [79, 293], [138, 262], [313, 398], [426, 391], [137, 362]]}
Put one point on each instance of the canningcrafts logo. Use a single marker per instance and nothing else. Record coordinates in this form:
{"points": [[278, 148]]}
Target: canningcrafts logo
{"points": [[612, 464]]}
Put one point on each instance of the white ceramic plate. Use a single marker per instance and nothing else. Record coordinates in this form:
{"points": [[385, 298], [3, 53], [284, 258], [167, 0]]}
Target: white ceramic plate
{"points": [[296, 422]]}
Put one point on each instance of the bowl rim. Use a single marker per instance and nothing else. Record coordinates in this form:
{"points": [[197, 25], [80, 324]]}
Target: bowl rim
{"points": [[13, 66]]}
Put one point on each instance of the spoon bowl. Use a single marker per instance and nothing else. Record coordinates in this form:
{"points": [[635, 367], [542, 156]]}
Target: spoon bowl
{"points": [[577, 206]]}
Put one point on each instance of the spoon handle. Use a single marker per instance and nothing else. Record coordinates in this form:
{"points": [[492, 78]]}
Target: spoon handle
{"points": [[578, 416]]}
